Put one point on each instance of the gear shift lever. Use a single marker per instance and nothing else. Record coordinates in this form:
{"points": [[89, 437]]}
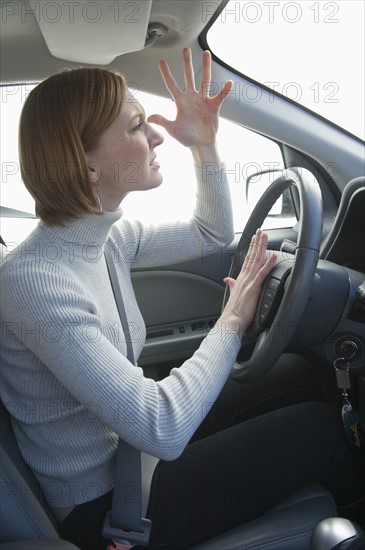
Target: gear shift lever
{"points": [[336, 533]]}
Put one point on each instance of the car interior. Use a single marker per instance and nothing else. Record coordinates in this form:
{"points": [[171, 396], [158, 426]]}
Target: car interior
{"points": [[292, 170]]}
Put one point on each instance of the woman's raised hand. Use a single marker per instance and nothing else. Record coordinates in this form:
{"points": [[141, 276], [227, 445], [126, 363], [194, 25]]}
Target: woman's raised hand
{"points": [[197, 116]]}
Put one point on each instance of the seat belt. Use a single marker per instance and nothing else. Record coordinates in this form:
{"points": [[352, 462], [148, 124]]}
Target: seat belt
{"points": [[125, 522]]}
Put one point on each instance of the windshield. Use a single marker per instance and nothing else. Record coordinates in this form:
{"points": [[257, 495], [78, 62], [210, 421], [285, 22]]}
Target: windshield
{"points": [[310, 52]]}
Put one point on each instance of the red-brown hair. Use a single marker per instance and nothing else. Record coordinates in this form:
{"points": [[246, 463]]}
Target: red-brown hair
{"points": [[62, 118]]}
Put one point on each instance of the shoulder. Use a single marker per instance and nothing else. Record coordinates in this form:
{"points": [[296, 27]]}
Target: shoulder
{"points": [[127, 230], [29, 282], [32, 257], [126, 237]]}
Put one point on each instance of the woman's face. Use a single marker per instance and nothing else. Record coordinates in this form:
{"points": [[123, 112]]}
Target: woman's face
{"points": [[124, 158]]}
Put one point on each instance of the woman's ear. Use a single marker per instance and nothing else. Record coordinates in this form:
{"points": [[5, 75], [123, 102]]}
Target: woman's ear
{"points": [[94, 171]]}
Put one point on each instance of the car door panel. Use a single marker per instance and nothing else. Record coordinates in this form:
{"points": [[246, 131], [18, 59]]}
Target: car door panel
{"points": [[180, 303], [178, 308]]}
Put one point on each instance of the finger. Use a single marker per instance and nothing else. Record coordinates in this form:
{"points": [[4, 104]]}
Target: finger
{"points": [[259, 257], [188, 70], [229, 281], [251, 253], [261, 247], [206, 74], [221, 96], [168, 79], [258, 254], [161, 121], [248, 257], [265, 269]]}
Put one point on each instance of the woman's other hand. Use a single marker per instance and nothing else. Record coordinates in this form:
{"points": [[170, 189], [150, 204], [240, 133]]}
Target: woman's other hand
{"points": [[245, 290], [197, 116]]}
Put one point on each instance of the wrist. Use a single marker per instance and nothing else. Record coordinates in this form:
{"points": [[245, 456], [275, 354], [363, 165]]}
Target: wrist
{"points": [[204, 155], [233, 324]]}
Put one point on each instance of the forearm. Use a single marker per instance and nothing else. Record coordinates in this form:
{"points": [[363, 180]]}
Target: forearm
{"points": [[209, 230]]}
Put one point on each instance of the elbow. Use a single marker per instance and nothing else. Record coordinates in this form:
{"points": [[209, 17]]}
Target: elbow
{"points": [[169, 449], [169, 455], [226, 237], [229, 236]]}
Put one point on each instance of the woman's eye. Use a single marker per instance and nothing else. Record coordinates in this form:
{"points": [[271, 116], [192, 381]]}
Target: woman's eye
{"points": [[138, 127]]}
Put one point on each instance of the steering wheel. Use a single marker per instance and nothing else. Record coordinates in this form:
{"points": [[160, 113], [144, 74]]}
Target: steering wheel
{"points": [[287, 289]]}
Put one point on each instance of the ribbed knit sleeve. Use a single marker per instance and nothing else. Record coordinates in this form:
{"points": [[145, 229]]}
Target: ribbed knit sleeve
{"points": [[62, 328]]}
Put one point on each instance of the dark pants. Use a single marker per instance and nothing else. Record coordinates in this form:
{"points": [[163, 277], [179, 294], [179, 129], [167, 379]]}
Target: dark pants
{"points": [[240, 463]]}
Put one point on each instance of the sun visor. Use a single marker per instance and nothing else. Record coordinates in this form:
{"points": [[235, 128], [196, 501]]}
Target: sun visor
{"points": [[83, 31]]}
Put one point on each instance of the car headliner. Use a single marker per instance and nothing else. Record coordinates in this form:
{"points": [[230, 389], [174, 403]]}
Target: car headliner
{"points": [[25, 57]]}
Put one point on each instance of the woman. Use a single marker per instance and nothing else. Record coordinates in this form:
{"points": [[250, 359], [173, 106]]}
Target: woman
{"points": [[85, 143]]}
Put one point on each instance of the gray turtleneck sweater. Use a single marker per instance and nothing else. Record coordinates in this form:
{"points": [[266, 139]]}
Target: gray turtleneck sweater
{"points": [[65, 377]]}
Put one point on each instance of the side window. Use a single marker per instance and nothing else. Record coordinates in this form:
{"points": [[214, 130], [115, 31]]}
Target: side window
{"points": [[251, 161], [13, 194], [243, 152]]}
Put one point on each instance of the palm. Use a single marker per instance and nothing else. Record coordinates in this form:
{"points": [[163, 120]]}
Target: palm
{"points": [[192, 126], [196, 122]]}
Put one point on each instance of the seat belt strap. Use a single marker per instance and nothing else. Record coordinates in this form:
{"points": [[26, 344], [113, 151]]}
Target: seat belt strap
{"points": [[125, 521], [119, 300]]}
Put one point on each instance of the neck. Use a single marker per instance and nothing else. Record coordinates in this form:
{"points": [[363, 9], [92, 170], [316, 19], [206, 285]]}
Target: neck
{"points": [[88, 229]]}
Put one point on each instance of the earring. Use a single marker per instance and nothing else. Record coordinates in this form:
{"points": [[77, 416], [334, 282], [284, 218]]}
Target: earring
{"points": [[98, 196]]}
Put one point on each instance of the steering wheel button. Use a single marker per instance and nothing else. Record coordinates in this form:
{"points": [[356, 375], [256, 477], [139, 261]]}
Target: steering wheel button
{"points": [[273, 283], [265, 307], [262, 317], [269, 295]]}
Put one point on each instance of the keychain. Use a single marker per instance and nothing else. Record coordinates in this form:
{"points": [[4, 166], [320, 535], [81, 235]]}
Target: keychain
{"points": [[351, 420], [350, 417]]}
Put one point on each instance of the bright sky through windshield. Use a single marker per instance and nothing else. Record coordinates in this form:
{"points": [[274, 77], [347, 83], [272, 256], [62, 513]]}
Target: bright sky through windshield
{"points": [[312, 52]]}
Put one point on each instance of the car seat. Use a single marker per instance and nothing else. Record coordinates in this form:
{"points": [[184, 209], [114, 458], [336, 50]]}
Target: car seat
{"points": [[27, 523]]}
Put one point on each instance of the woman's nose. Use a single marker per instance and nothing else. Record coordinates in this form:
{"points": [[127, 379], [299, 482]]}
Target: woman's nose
{"points": [[154, 137]]}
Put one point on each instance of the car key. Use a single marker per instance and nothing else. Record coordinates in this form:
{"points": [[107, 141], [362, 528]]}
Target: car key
{"points": [[351, 419]]}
